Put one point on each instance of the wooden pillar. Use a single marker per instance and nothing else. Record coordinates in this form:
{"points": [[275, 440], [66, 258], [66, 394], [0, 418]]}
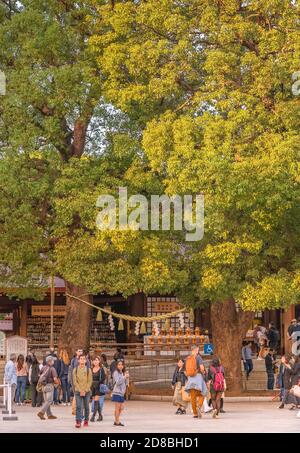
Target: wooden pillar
{"points": [[23, 318]]}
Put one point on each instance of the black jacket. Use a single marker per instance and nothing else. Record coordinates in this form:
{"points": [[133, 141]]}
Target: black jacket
{"points": [[273, 337], [179, 376], [269, 363]]}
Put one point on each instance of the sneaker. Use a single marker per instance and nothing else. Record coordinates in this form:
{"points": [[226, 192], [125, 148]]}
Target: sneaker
{"points": [[183, 411], [52, 417], [118, 424], [293, 408], [41, 415], [78, 424], [85, 423], [64, 404], [178, 411], [281, 406]]}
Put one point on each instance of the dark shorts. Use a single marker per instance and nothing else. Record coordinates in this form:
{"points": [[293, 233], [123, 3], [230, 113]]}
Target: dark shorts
{"points": [[117, 399], [95, 389]]}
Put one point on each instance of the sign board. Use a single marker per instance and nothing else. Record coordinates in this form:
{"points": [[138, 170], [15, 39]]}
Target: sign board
{"points": [[2, 343], [6, 321], [165, 307], [45, 310], [16, 345], [208, 348]]}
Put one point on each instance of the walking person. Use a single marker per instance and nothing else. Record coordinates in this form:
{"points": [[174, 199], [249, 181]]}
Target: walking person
{"points": [[295, 376], [216, 380], [269, 362], [22, 374], [33, 377], [256, 335], [120, 381], [247, 358], [105, 366], [273, 337], [47, 380], [57, 366], [99, 378], [291, 375], [195, 371], [82, 382], [286, 380], [10, 376], [64, 378], [178, 384]]}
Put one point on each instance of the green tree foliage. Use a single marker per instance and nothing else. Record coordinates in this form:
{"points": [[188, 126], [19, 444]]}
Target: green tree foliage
{"points": [[210, 85], [62, 146]]}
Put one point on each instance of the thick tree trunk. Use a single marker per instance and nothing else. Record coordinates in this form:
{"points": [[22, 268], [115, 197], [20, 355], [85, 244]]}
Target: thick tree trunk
{"points": [[229, 327], [75, 331]]}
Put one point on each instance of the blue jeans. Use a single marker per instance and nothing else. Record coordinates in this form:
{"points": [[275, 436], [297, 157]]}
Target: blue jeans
{"points": [[271, 379], [248, 366], [101, 402], [82, 406], [21, 388], [65, 386]]}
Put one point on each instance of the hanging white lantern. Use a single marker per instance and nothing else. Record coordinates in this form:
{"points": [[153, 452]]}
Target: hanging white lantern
{"points": [[181, 320], [111, 322], [137, 328]]}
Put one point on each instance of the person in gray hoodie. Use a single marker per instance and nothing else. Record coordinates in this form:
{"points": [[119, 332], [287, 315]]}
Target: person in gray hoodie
{"points": [[120, 381]]}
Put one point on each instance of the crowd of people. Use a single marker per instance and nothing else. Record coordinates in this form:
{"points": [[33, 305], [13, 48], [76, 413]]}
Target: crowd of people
{"points": [[203, 388], [84, 381], [59, 380], [283, 372]]}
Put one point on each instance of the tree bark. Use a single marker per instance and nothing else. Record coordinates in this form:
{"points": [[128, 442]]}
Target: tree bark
{"points": [[229, 328], [75, 331]]}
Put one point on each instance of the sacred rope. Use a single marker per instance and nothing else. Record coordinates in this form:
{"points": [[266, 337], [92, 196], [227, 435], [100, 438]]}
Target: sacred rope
{"points": [[129, 317]]}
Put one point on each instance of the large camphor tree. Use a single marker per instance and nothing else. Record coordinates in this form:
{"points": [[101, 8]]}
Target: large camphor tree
{"points": [[61, 147], [210, 84]]}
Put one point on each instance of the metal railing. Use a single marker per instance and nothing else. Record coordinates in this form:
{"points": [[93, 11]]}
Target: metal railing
{"points": [[7, 403]]}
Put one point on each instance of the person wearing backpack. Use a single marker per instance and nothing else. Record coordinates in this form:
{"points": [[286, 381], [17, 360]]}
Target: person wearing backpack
{"points": [[196, 386], [216, 379], [48, 378], [33, 377], [82, 382]]}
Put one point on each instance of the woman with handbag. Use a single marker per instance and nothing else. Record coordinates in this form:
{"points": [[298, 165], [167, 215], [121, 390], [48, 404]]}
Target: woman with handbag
{"points": [[98, 381], [178, 385]]}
